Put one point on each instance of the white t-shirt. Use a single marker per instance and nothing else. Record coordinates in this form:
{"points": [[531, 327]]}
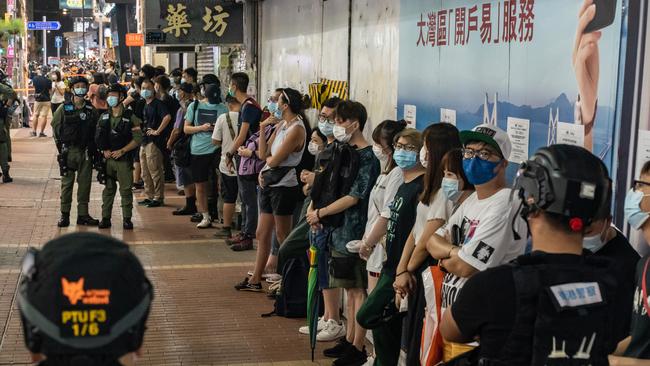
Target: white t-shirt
{"points": [[439, 209], [56, 97], [486, 236], [222, 133], [382, 195]]}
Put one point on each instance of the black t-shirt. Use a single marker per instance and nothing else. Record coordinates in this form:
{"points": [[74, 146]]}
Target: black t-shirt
{"points": [[250, 114], [640, 344], [626, 258], [154, 113], [403, 211], [138, 106], [42, 88], [171, 104], [486, 306]]}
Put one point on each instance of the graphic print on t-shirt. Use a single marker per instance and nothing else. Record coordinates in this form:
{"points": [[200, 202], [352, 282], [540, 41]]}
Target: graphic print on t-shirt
{"points": [[483, 252], [392, 223]]}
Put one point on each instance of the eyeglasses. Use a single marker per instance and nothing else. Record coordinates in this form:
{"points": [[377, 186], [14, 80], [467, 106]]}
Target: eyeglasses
{"points": [[638, 184], [325, 120], [482, 154], [408, 147]]}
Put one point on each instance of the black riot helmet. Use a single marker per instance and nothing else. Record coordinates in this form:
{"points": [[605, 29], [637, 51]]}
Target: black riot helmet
{"points": [[566, 181], [116, 88]]}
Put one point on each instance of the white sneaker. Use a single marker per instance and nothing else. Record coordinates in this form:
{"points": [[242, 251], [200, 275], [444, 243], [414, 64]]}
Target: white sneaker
{"points": [[205, 223], [273, 278], [331, 332], [320, 326]]}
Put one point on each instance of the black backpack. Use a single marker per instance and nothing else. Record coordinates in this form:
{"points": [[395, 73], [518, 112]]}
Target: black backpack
{"points": [[338, 169], [181, 151]]}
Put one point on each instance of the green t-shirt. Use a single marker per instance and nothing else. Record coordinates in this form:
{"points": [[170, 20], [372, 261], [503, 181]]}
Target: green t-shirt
{"points": [[201, 143], [640, 331]]}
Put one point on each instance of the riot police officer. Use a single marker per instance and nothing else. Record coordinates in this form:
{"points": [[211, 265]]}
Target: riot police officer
{"points": [[118, 133], [74, 124], [7, 95]]}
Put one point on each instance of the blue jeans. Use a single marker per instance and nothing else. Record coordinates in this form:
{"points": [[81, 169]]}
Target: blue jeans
{"points": [[248, 197]]}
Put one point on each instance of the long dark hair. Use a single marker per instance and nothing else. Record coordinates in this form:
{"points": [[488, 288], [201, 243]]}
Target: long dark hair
{"points": [[293, 98], [385, 133], [453, 162], [439, 138]]}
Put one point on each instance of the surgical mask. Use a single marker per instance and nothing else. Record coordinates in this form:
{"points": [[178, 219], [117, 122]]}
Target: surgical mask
{"points": [[272, 106], [633, 213], [313, 148], [112, 101], [423, 157], [479, 171], [277, 114], [80, 92], [405, 159], [594, 243], [341, 135], [379, 153], [183, 80], [325, 127], [450, 188], [146, 93]]}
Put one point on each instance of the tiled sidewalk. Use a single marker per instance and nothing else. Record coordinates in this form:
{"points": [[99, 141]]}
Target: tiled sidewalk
{"points": [[197, 317]]}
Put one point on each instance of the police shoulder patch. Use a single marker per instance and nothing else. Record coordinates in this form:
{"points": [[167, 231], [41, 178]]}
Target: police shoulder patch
{"points": [[483, 252], [576, 294]]}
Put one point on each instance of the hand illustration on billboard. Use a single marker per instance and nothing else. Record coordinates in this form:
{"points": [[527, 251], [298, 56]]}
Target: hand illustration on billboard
{"points": [[586, 65]]}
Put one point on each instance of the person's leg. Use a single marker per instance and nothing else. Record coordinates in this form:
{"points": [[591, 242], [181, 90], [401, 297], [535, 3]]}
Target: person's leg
{"points": [[264, 231], [358, 296], [295, 245], [332, 301], [146, 175], [108, 194], [350, 314], [202, 197], [156, 165], [67, 185], [249, 201], [282, 229], [125, 179], [84, 181], [372, 282], [46, 112], [4, 158]]}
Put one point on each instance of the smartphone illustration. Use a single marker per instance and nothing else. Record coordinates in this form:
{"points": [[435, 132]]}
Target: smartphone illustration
{"points": [[605, 14]]}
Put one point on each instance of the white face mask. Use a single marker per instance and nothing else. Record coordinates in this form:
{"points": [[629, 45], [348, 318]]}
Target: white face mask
{"points": [[313, 148], [341, 135], [594, 243], [379, 153], [423, 157]]}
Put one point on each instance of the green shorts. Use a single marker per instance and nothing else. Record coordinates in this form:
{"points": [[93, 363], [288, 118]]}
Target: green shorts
{"points": [[347, 271]]}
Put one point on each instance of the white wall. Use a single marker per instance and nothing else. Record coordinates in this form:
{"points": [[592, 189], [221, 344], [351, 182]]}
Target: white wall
{"points": [[305, 40]]}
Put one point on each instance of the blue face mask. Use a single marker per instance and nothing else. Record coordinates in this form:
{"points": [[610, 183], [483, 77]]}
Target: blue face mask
{"points": [[405, 159], [278, 113], [633, 213], [326, 128], [146, 93], [272, 106], [80, 92], [479, 171], [450, 189], [112, 101]]}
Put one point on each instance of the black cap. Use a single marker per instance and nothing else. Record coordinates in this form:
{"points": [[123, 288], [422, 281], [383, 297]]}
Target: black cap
{"points": [[79, 79], [84, 294], [210, 79], [187, 87], [116, 88]]}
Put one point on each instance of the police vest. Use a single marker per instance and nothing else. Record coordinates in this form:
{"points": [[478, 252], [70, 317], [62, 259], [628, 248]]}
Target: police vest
{"points": [[76, 124], [113, 139], [563, 313]]}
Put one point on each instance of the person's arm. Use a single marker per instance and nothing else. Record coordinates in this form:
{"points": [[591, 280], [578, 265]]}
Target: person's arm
{"points": [[443, 250], [136, 130], [190, 129], [404, 280], [217, 134], [263, 150], [163, 125], [420, 253], [449, 329], [627, 361], [241, 137]]}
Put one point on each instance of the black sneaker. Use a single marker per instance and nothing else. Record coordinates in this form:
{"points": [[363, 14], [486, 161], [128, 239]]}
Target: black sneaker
{"points": [[87, 220], [105, 223], [352, 357], [197, 217], [127, 224], [222, 233], [341, 347], [64, 221], [42, 135], [247, 286], [145, 202], [185, 211], [33, 134], [155, 203]]}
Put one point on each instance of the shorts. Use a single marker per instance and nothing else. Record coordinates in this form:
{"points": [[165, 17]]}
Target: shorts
{"points": [[229, 188], [136, 154], [279, 201], [41, 109], [201, 166], [347, 271], [184, 175]]}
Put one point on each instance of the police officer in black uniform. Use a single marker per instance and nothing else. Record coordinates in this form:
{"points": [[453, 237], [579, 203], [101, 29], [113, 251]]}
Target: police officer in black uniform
{"points": [[74, 124], [558, 304], [84, 300]]}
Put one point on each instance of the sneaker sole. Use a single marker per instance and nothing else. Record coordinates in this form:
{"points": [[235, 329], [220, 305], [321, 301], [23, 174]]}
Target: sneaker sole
{"points": [[339, 336], [248, 289]]}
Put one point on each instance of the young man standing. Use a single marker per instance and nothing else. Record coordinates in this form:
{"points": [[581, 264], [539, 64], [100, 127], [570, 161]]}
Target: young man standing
{"points": [[42, 88], [554, 306], [156, 121], [479, 234]]}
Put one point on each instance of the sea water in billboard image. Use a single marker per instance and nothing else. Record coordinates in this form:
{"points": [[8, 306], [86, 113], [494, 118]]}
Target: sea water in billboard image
{"points": [[516, 63]]}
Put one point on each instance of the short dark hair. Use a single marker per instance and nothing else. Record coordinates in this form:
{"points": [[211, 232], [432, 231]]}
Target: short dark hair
{"points": [[160, 70], [176, 73], [320, 135], [240, 79], [148, 70], [147, 81], [332, 102], [646, 168], [192, 72], [352, 110], [231, 100], [163, 81], [138, 81]]}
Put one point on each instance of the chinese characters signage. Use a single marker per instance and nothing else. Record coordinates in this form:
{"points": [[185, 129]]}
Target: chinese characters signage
{"points": [[194, 21], [493, 22], [134, 39], [76, 4]]}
